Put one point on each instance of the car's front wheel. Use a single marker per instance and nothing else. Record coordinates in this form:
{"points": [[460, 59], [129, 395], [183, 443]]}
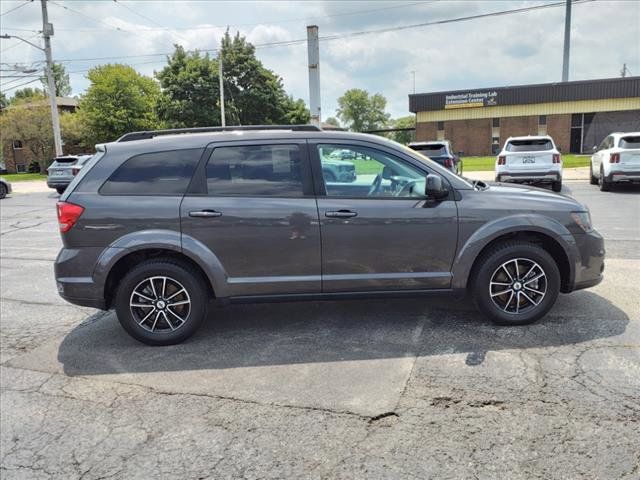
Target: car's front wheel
{"points": [[3, 191], [161, 302], [516, 283], [557, 186]]}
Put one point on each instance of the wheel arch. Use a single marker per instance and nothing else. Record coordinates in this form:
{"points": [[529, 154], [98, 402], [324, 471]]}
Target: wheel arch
{"points": [[550, 235]]}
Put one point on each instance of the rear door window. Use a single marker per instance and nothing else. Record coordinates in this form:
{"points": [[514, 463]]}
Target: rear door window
{"points": [[537, 145], [158, 173], [630, 142], [255, 170]]}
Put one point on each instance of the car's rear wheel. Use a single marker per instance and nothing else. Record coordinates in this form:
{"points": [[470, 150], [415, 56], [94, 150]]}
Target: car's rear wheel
{"points": [[60, 190], [605, 186], [516, 283], [593, 180], [329, 177], [161, 302], [3, 191], [557, 186]]}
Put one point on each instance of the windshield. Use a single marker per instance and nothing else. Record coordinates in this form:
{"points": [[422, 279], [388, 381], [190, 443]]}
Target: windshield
{"points": [[630, 142], [431, 150], [537, 145]]}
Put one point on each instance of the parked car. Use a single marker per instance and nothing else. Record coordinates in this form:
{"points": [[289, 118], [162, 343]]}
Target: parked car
{"points": [[5, 188], [157, 224], [616, 160], [63, 170], [440, 152], [531, 159], [338, 171]]}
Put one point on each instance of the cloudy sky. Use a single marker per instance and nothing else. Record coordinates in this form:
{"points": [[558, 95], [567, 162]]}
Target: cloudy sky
{"points": [[513, 49]]}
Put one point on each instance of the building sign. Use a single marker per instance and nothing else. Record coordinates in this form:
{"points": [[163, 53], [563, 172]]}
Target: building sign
{"points": [[471, 99]]}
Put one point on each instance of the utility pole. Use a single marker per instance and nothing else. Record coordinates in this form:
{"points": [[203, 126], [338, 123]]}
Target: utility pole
{"points": [[567, 42], [47, 32], [313, 51], [623, 72], [222, 119]]}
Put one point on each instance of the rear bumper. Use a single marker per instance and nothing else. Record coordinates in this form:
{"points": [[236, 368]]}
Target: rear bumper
{"points": [[74, 277], [58, 182], [548, 176], [624, 176]]}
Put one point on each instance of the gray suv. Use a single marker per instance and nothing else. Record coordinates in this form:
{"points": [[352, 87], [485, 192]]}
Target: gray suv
{"points": [[157, 224]]}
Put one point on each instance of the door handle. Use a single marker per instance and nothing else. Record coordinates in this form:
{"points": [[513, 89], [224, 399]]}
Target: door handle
{"points": [[341, 214], [205, 213]]}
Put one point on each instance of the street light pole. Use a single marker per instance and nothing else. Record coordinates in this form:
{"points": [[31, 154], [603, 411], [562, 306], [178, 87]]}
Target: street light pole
{"points": [[47, 31]]}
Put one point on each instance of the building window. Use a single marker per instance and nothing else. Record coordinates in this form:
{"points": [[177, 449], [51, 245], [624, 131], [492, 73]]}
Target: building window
{"points": [[440, 125], [21, 168], [542, 120], [17, 144], [496, 123]]}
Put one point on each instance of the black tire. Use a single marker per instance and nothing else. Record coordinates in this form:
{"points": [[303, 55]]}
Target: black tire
{"points": [[162, 333], [557, 186], [3, 191], [592, 180], [329, 177], [489, 267], [60, 190], [604, 185]]}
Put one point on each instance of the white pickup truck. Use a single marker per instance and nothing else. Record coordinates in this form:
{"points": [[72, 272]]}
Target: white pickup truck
{"points": [[616, 160], [531, 159]]}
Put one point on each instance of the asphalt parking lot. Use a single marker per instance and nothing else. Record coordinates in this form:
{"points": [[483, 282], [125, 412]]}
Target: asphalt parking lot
{"points": [[358, 389]]}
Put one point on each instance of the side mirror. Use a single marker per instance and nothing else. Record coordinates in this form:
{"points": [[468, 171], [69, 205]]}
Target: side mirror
{"points": [[559, 149], [435, 188], [387, 173], [595, 148]]}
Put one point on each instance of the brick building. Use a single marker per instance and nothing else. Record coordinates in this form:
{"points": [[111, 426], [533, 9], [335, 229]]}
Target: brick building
{"points": [[578, 115], [16, 154]]}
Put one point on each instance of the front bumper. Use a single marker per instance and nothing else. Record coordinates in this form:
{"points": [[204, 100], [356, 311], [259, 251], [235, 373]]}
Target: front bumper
{"points": [[624, 176], [548, 176], [590, 261]]}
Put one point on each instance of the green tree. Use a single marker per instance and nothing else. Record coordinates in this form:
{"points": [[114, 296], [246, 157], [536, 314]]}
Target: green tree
{"points": [[406, 136], [4, 101], [361, 112], [118, 100], [74, 131], [190, 90], [332, 121], [31, 124], [60, 80], [27, 93]]}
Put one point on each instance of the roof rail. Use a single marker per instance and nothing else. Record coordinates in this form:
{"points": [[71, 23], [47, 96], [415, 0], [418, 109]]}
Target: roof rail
{"points": [[128, 137]]}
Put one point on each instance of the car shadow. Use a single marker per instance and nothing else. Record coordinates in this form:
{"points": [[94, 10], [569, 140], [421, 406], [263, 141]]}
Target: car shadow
{"points": [[292, 333]]}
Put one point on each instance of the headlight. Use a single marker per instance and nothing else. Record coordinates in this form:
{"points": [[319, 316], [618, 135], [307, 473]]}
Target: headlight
{"points": [[583, 220]]}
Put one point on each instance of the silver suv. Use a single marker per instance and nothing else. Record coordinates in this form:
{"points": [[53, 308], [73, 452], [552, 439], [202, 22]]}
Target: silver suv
{"points": [[158, 224]]}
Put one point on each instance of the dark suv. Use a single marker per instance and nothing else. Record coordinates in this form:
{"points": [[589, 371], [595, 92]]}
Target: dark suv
{"points": [[157, 224]]}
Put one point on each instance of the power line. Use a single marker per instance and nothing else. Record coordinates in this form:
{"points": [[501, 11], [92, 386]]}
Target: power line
{"points": [[20, 85], [275, 22], [148, 19], [353, 34], [15, 8]]}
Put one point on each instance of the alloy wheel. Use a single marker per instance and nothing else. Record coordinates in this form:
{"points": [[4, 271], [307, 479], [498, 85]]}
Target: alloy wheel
{"points": [[518, 286], [160, 304]]}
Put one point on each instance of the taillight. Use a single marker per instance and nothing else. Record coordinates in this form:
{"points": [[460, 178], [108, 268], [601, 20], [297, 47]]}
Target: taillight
{"points": [[448, 163], [68, 215], [502, 160], [556, 158], [614, 158]]}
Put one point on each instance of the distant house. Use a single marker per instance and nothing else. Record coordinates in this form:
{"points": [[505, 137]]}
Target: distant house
{"points": [[16, 154]]}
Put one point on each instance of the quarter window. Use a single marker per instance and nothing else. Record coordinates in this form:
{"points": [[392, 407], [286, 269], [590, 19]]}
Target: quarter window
{"points": [[255, 170], [159, 173]]}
